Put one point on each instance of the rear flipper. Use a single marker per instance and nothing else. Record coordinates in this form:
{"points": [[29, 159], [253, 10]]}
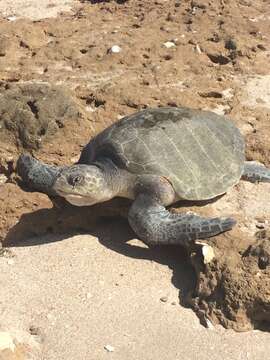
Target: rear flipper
{"points": [[255, 172], [37, 175]]}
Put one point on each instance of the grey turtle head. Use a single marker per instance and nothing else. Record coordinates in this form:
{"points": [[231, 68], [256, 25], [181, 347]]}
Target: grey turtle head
{"points": [[82, 185]]}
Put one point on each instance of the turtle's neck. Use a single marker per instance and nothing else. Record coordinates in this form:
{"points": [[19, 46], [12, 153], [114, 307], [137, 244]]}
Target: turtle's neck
{"points": [[120, 181]]}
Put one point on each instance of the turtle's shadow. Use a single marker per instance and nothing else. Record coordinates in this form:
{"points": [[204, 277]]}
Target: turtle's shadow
{"points": [[113, 232]]}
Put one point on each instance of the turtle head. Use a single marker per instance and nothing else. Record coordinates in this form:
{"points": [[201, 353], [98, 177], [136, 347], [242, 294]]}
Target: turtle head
{"points": [[82, 185]]}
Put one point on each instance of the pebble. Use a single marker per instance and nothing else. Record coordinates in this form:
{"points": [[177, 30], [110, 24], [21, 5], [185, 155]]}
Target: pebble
{"points": [[247, 128], [170, 17], [10, 262], [227, 93], [9, 158], [165, 28], [6, 341], [260, 226], [230, 44], [169, 44], [34, 330], [3, 179], [221, 109], [164, 298], [109, 348], [209, 325], [74, 159], [4, 252], [90, 109], [208, 254], [115, 49], [198, 49], [12, 18], [261, 47]]}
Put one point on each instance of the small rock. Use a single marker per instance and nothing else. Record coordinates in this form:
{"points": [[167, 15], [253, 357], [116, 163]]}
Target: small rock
{"points": [[170, 17], [221, 109], [230, 44], [176, 41], [12, 18], [10, 262], [6, 341], [247, 128], [90, 108], [34, 330], [208, 254], [7, 253], [207, 251], [219, 59], [115, 49], [214, 38], [164, 298], [167, 57], [209, 325], [261, 47], [109, 348], [3, 179], [227, 93], [260, 226], [169, 44], [9, 158], [198, 49], [211, 94], [165, 28], [74, 159]]}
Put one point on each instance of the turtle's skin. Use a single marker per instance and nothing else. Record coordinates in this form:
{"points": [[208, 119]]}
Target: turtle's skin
{"points": [[155, 157]]}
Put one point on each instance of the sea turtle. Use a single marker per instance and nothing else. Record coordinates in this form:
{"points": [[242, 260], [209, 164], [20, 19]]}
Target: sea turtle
{"points": [[155, 157]]}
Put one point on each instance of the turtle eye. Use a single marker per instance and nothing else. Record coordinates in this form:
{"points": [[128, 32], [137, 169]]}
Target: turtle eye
{"points": [[74, 180]]}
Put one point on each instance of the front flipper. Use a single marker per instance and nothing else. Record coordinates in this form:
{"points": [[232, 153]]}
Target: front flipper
{"points": [[37, 175], [255, 172], [157, 226]]}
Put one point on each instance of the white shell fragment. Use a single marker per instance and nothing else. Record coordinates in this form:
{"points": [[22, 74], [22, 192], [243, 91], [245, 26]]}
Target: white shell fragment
{"points": [[115, 49], [109, 348], [169, 44], [207, 252]]}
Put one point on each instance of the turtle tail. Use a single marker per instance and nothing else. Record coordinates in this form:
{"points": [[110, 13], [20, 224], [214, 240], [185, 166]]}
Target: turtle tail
{"points": [[36, 175]]}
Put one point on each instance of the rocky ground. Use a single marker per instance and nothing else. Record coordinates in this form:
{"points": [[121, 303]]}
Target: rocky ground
{"points": [[61, 82]]}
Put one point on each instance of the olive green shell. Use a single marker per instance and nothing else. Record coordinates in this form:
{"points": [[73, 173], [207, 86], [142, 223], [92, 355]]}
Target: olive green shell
{"points": [[199, 152]]}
